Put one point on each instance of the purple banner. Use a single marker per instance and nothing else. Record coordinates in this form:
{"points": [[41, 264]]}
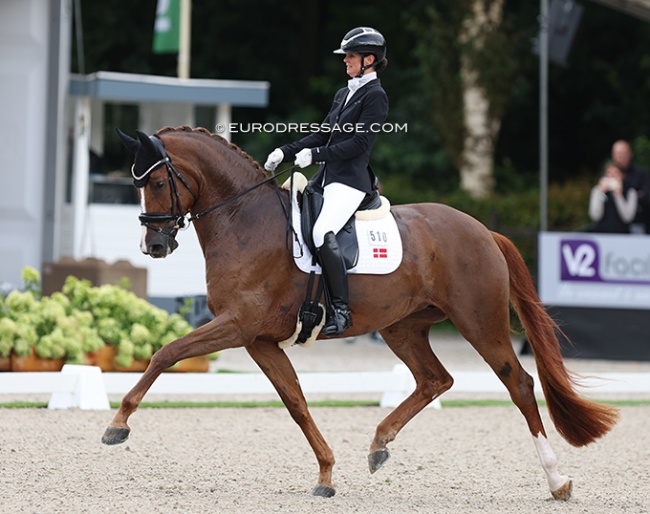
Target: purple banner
{"points": [[583, 261], [580, 260]]}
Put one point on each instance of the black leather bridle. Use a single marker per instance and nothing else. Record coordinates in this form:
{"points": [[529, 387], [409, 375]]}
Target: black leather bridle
{"points": [[176, 215], [182, 221]]}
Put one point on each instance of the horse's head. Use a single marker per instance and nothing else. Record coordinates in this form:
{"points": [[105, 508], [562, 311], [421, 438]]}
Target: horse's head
{"points": [[164, 203]]}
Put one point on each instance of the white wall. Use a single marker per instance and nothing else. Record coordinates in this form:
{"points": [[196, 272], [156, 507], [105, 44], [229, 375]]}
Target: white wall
{"points": [[112, 233], [24, 86]]}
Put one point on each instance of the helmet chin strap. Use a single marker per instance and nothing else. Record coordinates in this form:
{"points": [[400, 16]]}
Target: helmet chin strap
{"points": [[364, 67]]}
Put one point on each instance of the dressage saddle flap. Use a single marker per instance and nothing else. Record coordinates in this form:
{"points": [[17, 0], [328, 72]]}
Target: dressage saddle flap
{"points": [[311, 202]]}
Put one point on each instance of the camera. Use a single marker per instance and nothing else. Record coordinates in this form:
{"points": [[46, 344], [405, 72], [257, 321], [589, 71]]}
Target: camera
{"points": [[611, 183]]}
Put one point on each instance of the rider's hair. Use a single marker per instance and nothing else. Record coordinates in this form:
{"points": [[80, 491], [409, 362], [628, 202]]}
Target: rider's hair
{"points": [[381, 65]]}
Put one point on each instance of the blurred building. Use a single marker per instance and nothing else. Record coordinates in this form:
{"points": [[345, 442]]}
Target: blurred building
{"points": [[55, 198]]}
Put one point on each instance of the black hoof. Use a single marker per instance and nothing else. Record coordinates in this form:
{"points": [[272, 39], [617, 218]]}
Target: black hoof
{"points": [[115, 435], [376, 459], [323, 490]]}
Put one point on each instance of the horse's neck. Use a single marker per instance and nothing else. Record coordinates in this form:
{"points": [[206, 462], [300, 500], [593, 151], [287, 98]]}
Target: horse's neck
{"points": [[231, 174], [256, 215]]}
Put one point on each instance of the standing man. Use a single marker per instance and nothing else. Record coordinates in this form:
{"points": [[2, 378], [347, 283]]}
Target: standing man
{"points": [[637, 178]]}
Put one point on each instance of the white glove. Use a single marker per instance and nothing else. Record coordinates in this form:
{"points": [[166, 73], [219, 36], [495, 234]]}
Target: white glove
{"points": [[274, 158], [303, 158]]}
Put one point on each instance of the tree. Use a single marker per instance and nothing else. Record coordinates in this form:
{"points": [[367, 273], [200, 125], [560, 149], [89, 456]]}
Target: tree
{"points": [[464, 55], [437, 49], [480, 119]]}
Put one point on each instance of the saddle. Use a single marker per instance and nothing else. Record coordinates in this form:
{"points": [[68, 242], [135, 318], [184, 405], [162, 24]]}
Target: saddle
{"points": [[310, 200]]}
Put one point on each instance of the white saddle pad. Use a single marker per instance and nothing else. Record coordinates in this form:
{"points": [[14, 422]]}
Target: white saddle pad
{"points": [[380, 244]]}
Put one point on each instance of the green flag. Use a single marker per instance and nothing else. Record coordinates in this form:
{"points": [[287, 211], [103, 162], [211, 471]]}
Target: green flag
{"points": [[167, 27]]}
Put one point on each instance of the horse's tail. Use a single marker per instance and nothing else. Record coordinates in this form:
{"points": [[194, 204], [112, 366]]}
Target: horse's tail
{"points": [[577, 419]]}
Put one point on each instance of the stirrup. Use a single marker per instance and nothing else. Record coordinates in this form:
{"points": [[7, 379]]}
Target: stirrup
{"points": [[338, 322]]}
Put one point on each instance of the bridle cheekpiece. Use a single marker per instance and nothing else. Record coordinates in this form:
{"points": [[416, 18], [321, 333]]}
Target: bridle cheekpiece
{"points": [[147, 219], [182, 221]]}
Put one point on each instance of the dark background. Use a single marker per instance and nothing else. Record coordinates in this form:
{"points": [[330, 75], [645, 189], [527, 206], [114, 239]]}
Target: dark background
{"points": [[602, 94]]}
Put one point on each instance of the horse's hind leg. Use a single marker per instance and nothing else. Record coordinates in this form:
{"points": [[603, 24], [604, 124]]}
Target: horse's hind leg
{"points": [[278, 368], [490, 336], [409, 340]]}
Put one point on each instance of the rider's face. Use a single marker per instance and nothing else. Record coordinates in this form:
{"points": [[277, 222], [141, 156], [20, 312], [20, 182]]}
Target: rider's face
{"points": [[352, 64]]}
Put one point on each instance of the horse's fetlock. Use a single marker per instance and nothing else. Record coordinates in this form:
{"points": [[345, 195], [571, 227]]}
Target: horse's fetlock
{"points": [[446, 384]]}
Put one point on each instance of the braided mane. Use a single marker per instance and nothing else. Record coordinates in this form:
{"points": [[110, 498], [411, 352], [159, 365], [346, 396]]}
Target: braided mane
{"points": [[216, 137]]}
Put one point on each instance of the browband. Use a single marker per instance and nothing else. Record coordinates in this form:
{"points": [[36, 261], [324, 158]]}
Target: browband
{"points": [[140, 181], [151, 168]]}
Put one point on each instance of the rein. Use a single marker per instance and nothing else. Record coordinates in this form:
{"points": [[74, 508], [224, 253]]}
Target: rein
{"points": [[239, 195]]}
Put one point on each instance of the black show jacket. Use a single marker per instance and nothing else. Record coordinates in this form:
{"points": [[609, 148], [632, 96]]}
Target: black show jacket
{"points": [[342, 144]]}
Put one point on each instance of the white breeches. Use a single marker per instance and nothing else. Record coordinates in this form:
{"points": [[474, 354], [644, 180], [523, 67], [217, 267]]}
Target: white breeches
{"points": [[339, 204]]}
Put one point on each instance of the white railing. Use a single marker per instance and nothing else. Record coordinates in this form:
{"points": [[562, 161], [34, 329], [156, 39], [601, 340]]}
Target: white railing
{"points": [[86, 387]]}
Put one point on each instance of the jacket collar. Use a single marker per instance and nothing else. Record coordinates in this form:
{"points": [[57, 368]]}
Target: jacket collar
{"points": [[358, 94], [357, 82]]}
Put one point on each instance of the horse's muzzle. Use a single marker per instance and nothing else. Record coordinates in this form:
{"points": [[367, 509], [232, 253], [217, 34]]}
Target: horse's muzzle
{"points": [[160, 246]]}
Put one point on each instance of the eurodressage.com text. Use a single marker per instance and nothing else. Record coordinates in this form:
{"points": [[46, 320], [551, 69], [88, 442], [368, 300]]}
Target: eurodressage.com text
{"points": [[306, 128]]}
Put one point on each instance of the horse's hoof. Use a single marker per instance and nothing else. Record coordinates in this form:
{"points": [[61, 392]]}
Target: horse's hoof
{"points": [[323, 490], [377, 459], [564, 492], [115, 435]]}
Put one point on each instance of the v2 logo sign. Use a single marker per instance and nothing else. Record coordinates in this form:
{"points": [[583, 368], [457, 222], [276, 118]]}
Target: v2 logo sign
{"points": [[580, 260]]}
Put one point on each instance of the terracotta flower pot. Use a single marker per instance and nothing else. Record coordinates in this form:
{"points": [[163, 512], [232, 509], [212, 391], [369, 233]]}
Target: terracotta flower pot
{"points": [[138, 365], [5, 363], [104, 358], [35, 363], [192, 365]]}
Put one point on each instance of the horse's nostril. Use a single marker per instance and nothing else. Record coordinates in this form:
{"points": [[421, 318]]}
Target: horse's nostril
{"points": [[157, 250]]}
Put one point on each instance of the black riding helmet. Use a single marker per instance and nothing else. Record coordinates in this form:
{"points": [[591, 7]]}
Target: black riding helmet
{"points": [[365, 41]]}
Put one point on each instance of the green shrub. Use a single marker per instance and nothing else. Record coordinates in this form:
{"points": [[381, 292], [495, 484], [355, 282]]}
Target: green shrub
{"points": [[81, 319], [515, 213]]}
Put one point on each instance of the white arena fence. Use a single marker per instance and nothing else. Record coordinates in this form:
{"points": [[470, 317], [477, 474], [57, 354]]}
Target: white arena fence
{"points": [[86, 387]]}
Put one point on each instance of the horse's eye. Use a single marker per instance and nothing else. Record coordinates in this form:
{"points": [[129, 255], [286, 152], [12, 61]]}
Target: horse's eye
{"points": [[159, 185]]}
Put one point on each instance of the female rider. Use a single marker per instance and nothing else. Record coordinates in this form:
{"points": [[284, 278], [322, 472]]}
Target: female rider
{"points": [[342, 149]]}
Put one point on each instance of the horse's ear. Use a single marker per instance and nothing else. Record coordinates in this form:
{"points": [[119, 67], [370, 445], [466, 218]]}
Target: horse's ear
{"points": [[130, 143], [147, 143]]}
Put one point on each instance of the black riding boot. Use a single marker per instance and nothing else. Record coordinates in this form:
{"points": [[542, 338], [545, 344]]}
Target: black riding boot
{"points": [[336, 279]]}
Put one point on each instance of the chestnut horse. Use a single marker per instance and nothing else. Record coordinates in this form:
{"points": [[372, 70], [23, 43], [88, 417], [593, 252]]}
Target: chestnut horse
{"points": [[453, 268]]}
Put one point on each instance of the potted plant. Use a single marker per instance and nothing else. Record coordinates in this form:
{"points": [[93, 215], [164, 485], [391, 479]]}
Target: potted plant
{"points": [[21, 314], [107, 326], [131, 327], [8, 330]]}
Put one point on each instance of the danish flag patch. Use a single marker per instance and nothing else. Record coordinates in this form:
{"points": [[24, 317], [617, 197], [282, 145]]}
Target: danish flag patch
{"points": [[380, 253]]}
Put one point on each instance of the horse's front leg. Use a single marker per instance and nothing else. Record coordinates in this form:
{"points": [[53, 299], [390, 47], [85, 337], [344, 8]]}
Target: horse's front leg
{"points": [[275, 364], [219, 334]]}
